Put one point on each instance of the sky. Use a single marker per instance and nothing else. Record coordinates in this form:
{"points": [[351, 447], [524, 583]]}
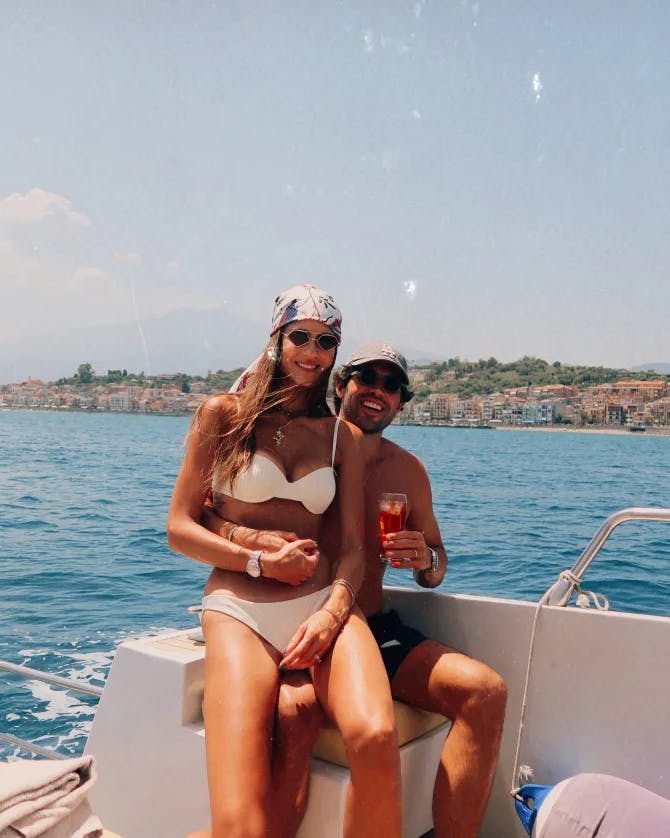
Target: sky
{"points": [[468, 179]]}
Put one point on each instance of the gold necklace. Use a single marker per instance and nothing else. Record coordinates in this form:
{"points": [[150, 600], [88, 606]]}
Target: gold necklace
{"points": [[278, 435]]}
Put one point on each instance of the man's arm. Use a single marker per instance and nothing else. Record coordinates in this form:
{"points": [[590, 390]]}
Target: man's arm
{"points": [[285, 557], [410, 548], [422, 519], [266, 540]]}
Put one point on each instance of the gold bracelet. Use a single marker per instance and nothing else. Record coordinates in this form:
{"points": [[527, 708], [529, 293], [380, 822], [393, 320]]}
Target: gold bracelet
{"points": [[340, 621], [349, 588], [232, 533]]}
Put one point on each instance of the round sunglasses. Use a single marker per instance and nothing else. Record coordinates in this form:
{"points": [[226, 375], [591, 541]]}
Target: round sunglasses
{"points": [[325, 341], [369, 377]]}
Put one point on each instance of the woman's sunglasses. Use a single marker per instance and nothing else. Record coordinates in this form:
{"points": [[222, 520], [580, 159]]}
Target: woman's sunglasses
{"points": [[325, 341], [369, 377]]}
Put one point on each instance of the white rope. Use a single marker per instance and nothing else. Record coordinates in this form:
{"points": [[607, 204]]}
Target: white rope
{"points": [[516, 781], [584, 599]]}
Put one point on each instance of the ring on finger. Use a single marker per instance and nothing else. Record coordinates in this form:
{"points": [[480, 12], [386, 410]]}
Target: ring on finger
{"points": [[317, 658]]}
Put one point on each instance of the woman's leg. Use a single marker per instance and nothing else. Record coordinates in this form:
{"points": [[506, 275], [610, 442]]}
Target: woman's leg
{"points": [[354, 690], [241, 682]]}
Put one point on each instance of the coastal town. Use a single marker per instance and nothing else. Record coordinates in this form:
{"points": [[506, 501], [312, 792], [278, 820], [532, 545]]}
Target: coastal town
{"points": [[628, 403], [445, 395]]}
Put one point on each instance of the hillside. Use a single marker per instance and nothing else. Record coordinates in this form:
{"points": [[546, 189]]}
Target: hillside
{"points": [[470, 378], [462, 378]]}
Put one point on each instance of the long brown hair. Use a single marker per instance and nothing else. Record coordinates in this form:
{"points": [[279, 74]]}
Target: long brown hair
{"points": [[235, 438]]}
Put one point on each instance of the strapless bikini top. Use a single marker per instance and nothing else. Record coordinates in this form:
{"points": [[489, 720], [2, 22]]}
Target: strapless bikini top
{"points": [[264, 480]]}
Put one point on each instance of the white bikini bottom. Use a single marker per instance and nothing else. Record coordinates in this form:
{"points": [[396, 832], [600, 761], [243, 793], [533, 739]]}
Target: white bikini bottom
{"points": [[276, 622]]}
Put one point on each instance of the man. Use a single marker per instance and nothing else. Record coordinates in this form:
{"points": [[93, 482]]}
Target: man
{"points": [[370, 389]]}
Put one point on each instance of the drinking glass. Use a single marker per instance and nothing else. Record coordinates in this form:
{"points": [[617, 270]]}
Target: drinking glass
{"points": [[392, 516]]}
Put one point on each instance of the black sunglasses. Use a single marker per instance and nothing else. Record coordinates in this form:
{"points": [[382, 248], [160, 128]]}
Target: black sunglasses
{"points": [[325, 341], [369, 377]]}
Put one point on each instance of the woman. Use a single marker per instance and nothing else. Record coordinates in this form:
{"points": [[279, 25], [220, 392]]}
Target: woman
{"points": [[270, 456]]}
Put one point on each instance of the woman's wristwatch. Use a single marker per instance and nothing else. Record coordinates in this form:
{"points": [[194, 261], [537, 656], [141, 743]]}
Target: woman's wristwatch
{"points": [[253, 567], [434, 560]]}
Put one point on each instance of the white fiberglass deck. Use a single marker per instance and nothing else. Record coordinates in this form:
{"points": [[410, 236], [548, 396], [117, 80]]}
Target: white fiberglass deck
{"points": [[597, 702]]}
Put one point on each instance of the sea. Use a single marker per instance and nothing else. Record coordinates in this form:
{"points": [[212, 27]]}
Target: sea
{"points": [[84, 562]]}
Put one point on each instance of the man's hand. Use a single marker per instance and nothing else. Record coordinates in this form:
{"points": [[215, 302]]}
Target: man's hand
{"points": [[407, 550], [270, 541], [294, 562]]}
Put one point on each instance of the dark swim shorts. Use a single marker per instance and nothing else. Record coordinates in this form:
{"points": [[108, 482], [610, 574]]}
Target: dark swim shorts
{"points": [[394, 638]]}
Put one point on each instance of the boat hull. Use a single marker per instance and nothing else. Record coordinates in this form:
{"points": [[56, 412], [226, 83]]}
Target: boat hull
{"points": [[597, 694], [596, 702]]}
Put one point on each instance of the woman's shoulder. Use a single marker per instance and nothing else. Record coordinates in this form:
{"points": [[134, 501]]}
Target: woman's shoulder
{"points": [[217, 409], [348, 437], [332, 425], [222, 402], [348, 428]]}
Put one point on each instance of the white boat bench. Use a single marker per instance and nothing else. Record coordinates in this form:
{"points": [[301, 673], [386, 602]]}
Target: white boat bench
{"points": [[421, 736], [148, 739]]}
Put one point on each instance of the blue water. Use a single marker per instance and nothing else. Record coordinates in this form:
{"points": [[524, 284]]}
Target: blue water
{"points": [[84, 563]]}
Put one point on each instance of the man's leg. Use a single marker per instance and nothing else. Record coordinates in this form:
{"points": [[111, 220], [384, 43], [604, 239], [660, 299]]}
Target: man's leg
{"points": [[299, 718], [473, 696]]}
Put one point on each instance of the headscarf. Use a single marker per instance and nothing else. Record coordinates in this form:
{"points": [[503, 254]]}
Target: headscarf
{"points": [[301, 302], [306, 302]]}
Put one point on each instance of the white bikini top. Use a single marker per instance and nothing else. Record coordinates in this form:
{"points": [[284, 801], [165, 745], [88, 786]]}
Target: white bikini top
{"points": [[264, 480]]}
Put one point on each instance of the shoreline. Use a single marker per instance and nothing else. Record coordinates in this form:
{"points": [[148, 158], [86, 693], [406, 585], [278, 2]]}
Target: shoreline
{"points": [[552, 429], [596, 430]]}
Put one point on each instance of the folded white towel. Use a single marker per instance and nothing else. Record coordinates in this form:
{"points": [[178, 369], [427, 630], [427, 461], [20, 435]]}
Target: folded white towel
{"points": [[38, 795]]}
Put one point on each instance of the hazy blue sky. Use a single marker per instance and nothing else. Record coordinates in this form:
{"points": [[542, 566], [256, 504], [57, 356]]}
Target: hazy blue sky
{"points": [[467, 178]]}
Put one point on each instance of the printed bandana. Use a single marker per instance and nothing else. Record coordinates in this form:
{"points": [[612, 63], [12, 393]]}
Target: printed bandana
{"points": [[306, 302]]}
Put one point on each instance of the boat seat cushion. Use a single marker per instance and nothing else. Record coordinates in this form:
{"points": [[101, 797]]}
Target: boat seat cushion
{"points": [[410, 721]]}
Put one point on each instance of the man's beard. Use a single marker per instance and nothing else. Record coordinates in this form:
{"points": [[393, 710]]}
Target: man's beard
{"points": [[377, 428]]}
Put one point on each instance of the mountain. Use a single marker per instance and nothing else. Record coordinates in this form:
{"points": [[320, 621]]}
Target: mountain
{"points": [[657, 366], [190, 340]]}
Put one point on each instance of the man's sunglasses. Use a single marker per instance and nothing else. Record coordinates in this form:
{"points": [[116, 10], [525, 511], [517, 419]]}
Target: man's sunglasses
{"points": [[325, 341], [369, 377]]}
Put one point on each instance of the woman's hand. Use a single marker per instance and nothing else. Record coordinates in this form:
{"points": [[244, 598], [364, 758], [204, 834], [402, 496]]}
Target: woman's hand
{"points": [[311, 642], [295, 562]]}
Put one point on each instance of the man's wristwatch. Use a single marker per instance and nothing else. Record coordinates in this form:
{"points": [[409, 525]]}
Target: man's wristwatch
{"points": [[434, 559], [253, 567]]}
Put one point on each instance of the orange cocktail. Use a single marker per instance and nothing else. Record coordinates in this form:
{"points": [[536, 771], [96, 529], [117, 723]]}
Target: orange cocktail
{"points": [[392, 516]]}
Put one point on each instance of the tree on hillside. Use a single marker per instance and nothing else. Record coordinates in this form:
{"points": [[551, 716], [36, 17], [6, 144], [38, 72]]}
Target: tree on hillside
{"points": [[85, 373]]}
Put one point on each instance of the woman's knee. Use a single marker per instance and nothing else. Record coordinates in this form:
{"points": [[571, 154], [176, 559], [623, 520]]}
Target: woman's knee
{"points": [[237, 821], [371, 736]]}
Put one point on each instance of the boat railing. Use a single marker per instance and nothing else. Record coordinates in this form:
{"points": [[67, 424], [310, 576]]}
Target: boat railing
{"points": [[47, 678], [568, 581]]}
